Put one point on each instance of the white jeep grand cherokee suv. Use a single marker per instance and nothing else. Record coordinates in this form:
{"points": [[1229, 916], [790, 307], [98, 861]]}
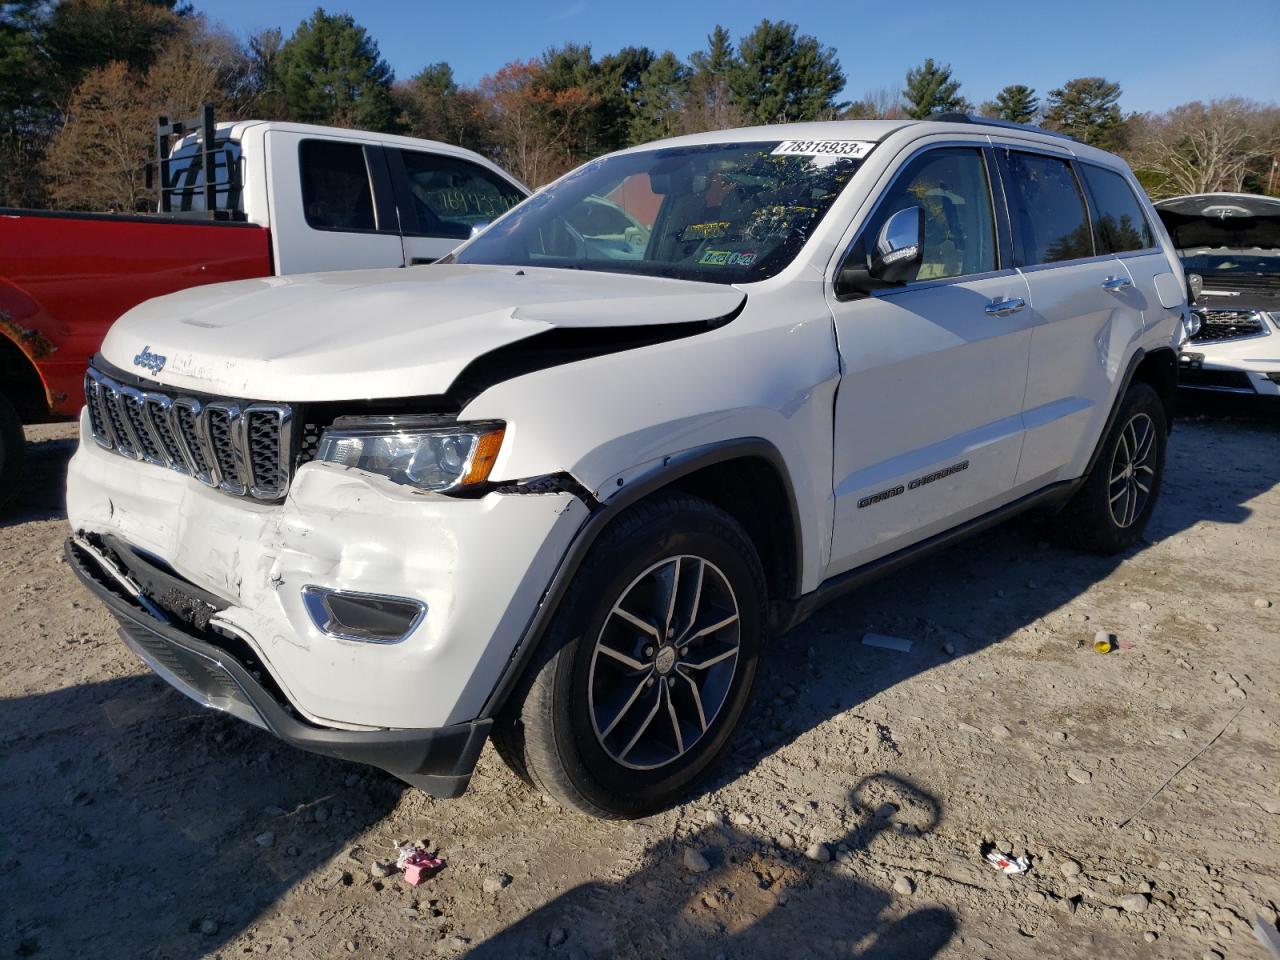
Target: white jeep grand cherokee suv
{"points": [[558, 490]]}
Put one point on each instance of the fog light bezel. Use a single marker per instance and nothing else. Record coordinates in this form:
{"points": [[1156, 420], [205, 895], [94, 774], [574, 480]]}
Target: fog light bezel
{"points": [[316, 601]]}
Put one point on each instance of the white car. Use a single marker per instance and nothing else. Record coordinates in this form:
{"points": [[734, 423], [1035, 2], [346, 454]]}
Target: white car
{"points": [[1232, 242], [558, 490]]}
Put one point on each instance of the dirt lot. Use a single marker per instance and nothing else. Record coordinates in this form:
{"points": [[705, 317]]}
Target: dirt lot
{"points": [[137, 825]]}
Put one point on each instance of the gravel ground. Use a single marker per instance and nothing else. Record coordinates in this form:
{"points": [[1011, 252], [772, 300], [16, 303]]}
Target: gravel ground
{"points": [[850, 821]]}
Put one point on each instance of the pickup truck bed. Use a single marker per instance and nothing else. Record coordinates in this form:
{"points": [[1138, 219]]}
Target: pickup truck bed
{"points": [[94, 267]]}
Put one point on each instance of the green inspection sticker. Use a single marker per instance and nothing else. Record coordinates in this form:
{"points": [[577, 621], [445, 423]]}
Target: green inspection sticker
{"points": [[727, 258]]}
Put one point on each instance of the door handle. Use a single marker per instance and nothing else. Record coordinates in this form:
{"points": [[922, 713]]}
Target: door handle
{"points": [[1005, 307], [1116, 283]]}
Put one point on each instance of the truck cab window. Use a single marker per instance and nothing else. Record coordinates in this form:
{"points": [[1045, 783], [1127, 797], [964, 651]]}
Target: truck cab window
{"points": [[450, 196], [336, 191], [1047, 209]]}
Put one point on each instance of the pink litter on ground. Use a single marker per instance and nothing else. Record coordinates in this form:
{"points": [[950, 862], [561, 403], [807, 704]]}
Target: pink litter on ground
{"points": [[420, 865]]}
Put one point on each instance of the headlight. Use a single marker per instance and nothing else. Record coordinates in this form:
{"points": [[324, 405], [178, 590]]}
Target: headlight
{"points": [[421, 451], [1191, 322]]}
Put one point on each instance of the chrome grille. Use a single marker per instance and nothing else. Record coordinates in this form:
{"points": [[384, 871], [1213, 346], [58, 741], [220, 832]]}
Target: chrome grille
{"points": [[242, 451], [1216, 325]]}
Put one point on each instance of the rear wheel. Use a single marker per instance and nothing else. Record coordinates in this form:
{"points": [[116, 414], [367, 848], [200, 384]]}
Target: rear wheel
{"points": [[647, 666], [12, 450], [1110, 512]]}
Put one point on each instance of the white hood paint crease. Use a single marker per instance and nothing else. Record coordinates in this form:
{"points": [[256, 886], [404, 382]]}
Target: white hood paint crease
{"points": [[382, 333]]}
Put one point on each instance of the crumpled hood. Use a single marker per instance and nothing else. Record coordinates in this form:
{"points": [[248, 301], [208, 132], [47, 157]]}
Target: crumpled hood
{"points": [[380, 333]]}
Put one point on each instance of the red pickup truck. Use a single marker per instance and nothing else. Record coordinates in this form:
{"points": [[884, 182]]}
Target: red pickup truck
{"points": [[268, 198]]}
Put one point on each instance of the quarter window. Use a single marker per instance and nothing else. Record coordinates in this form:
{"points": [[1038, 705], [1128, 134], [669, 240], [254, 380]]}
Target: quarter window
{"points": [[1047, 209], [951, 186], [336, 191], [450, 196], [1119, 223]]}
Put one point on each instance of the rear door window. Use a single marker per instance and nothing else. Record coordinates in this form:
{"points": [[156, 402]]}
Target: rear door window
{"points": [[451, 195], [337, 192], [1119, 225], [1050, 221]]}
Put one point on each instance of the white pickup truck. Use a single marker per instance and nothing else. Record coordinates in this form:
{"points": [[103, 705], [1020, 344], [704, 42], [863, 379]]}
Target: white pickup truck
{"points": [[559, 488]]}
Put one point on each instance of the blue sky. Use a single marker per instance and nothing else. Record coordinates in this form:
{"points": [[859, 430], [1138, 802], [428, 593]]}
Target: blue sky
{"points": [[1162, 53]]}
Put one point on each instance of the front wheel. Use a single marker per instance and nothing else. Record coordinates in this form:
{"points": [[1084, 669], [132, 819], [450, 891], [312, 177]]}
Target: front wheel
{"points": [[1110, 511], [648, 664]]}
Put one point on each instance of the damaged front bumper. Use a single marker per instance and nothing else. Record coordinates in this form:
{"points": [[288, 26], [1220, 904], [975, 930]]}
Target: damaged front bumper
{"points": [[439, 761], [420, 706]]}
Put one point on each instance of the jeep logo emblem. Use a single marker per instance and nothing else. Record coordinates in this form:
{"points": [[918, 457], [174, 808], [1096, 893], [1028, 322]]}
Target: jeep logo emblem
{"points": [[149, 361]]}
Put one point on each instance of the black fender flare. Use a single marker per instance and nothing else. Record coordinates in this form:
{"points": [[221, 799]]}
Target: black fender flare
{"points": [[673, 468]]}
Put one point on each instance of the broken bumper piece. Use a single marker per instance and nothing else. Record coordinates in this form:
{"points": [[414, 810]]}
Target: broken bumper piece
{"points": [[220, 673]]}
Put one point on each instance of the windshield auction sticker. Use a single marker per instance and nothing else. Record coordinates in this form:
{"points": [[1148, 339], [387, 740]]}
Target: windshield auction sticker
{"points": [[855, 149]]}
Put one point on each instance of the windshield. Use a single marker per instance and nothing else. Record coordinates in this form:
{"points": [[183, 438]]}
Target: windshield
{"points": [[726, 212]]}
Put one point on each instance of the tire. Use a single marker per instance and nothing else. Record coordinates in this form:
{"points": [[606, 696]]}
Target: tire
{"points": [[1110, 512], [13, 445], [623, 733]]}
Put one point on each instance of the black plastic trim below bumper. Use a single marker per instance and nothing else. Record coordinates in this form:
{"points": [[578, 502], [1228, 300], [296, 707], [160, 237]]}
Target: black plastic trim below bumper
{"points": [[438, 760]]}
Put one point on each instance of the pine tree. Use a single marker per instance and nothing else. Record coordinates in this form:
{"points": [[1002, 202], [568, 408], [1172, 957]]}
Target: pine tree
{"points": [[330, 71], [1088, 109], [708, 104], [930, 89], [1017, 103], [656, 110], [781, 76]]}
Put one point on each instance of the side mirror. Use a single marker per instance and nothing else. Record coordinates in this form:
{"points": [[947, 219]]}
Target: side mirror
{"points": [[895, 256], [1195, 284], [899, 247]]}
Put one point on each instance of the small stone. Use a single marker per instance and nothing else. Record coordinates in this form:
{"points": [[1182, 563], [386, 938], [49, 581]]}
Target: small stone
{"points": [[1079, 775], [557, 936], [786, 841], [1115, 879], [1211, 955], [267, 839], [1037, 898], [968, 728], [381, 868], [496, 883], [1001, 732], [1149, 836], [1222, 930], [1139, 606], [712, 818], [208, 926], [1236, 692], [1150, 936], [949, 649], [320, 814], [885, 811], [1134, 903], [351, 946], [740, 819], [905, 886], [818, 852], [1262, 603], [1069, 868], [1272, 806], [694, 861]]}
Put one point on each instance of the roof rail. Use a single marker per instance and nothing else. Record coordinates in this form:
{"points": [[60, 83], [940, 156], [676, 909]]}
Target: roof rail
{"points": [[993, 122]]}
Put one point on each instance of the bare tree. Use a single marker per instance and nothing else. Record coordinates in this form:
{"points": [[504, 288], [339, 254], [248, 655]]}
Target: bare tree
{"points": [[95, 162], [1201, 148]]}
